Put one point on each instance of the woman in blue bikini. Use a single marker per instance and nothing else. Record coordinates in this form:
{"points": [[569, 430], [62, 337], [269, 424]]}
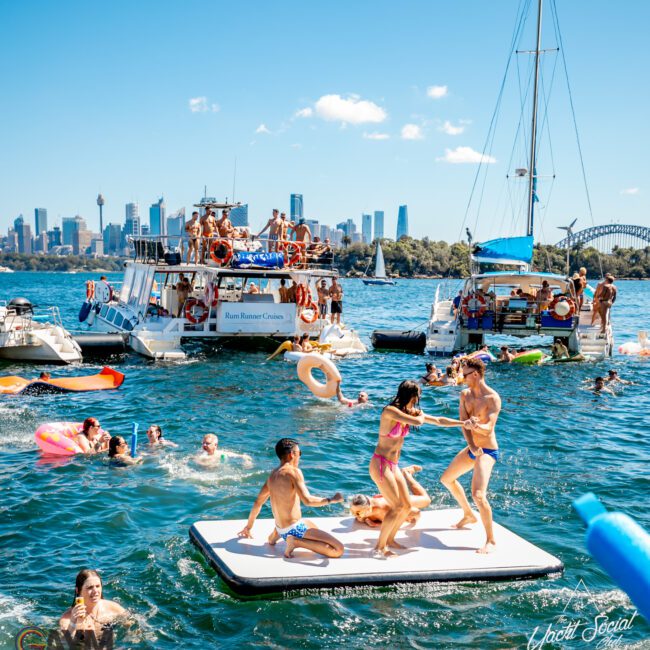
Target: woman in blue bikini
{"points": [[396, 420]]}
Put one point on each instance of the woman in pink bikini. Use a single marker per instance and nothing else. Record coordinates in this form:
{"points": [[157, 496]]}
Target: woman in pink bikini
{"points": [[396, 419]]}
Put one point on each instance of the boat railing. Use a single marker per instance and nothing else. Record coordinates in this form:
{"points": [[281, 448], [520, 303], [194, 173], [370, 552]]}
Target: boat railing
{"points": [[243, 252]]}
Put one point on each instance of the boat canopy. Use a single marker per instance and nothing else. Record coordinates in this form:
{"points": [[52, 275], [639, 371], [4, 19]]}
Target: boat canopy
{"points": [[502, 282], [507, 250]]}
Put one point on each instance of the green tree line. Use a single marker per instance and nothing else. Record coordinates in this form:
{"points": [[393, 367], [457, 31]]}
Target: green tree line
{"points": [[22, 262]]}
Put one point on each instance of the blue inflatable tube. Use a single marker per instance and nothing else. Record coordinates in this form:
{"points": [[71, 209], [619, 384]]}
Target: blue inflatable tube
{"points": [[244, 260], [620, 546]]}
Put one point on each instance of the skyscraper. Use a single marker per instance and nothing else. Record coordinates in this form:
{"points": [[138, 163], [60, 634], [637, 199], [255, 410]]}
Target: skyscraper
{"points": [[131, 222], [112, 238], [366, 228], [70, 226], [239, 216], [40, 220], [296, 208], [157, 217], [402, 223], [176, 223], [54, 237], [379, 224], [24, 233]]}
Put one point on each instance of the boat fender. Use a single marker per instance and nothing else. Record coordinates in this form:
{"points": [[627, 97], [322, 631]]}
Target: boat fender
{"points": [[85, 310], [90, 289], [305, 367]]}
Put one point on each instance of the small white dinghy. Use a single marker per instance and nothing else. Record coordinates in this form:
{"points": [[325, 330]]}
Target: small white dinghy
{"points": [[435, 552]]}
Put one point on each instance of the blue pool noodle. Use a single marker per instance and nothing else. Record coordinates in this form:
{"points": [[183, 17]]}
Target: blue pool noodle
{"points": [[620, 546], [134, 439]]}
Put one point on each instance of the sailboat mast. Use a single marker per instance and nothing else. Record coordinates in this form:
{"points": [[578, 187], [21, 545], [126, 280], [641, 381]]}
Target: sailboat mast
{"points": [[532, 173]]}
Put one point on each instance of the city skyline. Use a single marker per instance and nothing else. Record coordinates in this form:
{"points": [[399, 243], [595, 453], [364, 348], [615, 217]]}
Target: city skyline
{"points": [[412, 116]]}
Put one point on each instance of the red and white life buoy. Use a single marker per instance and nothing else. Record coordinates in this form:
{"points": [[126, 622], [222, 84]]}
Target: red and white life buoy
{"points": [[313, 307], [90, 289], [193, 304], [474, 305], [303, 295], [293, 252], [217, 253], [569, 312], [211, 294]]}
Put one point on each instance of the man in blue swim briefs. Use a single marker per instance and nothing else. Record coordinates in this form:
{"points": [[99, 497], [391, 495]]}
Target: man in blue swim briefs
{"points": [[480, 404], [286, 488]]}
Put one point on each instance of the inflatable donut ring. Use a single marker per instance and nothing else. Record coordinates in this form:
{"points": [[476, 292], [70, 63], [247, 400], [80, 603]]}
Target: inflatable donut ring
{"points": [[57, 438], [305, 367]]}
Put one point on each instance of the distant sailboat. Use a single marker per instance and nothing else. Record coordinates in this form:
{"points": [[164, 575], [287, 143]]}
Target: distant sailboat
{"points": [[380, 269]]}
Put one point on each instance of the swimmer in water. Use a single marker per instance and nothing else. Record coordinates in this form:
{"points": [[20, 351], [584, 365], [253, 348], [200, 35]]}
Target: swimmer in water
{"points": [[119, 453], [91, 439], [372, 510], [155, 436], [600, 387], [212, 455], [613, 378], [360, 401], [432, 376]]}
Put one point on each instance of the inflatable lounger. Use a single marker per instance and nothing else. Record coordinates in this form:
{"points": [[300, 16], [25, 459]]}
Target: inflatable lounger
{"points": [[435, 552], [107, 379]]}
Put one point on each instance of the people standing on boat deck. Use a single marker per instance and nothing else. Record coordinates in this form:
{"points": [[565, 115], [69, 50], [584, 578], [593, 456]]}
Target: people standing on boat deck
{"points": [[273, 226], [286, 488], [91, 439], [372, 510], [183, 290], [156, 439], [302, 231], [544, 296], [284, 291], [506, 355], [600, 387], [323, 297], [209, 230], [480, 406], [394, 424], [193, 228], [91, 618], [606, 297], [293, 289], [295, 345], [211, 453], [362, 398], [559, 350], [336, 306], [456, 303], [579, 285], [613, 378], [119, 453]]}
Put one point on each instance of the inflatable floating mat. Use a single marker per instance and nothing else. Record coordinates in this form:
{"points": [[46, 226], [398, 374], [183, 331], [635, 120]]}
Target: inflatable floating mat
{"points": [[107, 379], [435, 552]]}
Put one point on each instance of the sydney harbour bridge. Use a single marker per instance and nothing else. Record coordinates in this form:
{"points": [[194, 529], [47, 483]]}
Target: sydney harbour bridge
{"points": [[608, 237]]}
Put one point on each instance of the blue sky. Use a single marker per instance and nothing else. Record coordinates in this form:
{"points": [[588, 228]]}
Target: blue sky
{"points": [[358, 106]]}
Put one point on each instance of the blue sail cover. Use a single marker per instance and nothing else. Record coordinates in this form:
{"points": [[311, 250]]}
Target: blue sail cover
{"points": [[508, 250], [247, 260]]}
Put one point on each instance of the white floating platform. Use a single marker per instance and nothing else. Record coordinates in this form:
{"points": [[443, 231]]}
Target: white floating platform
{"points": [[435, 552]]}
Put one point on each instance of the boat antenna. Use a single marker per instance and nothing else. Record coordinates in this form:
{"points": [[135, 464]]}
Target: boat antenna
{"points": [[569, 235], [234, 180], [532, 171]]}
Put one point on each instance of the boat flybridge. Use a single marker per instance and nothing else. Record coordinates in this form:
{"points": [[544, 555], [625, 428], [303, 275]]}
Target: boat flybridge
{"points": [[243, 289]]}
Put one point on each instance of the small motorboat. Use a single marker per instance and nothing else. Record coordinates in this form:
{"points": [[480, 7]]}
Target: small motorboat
{"points": [[107, 379]]}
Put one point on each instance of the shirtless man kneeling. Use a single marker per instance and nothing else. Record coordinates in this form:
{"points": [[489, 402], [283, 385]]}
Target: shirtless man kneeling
{"points": [[286, 488], [480, 404]]}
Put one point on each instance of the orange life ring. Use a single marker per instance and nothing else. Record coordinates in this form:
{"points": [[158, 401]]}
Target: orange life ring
{"points": [[292, 252], [569, 314], [211, 294], [303, 295], [189, 314], [310, 319], [90, 289], [214, 256], [474, 299]]}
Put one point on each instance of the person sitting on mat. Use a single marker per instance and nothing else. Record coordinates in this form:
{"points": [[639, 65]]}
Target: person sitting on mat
{"points": [[432, 375], [295, 346], [372, 510], [155, 435], [90, 439], [286, 488], [119, 453], [212, 455], [559, 350], [361, 399], [305, 343], [505, 354]]}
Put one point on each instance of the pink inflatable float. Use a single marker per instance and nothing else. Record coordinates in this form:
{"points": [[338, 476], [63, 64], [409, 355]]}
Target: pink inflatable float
{"points": [[57, 438]]}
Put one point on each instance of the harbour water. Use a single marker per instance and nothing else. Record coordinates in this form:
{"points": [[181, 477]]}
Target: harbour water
{"points": [[558, 440]]}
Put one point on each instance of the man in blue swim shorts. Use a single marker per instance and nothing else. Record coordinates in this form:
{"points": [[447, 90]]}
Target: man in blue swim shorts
{"points": [[481, 405], [286, 488]]}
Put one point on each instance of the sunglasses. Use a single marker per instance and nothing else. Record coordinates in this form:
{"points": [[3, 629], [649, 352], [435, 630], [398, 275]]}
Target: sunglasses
{"points": [[467, 374]]}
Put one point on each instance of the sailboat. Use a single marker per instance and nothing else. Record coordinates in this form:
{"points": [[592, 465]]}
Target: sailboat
{"points": [[519, 302], [380, 269]]}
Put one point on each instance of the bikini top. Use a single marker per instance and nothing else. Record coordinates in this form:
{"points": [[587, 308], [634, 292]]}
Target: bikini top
{"points": [[398, 430]]}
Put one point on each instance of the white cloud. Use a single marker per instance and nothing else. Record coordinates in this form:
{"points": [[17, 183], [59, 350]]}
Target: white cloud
{"points": [[630, 190], [450, 129], [465, 155], [375, 135], [353, 110], [304, 112], [412, 132], [437, 92], [200, 105], [296, 145], [262, 129]]}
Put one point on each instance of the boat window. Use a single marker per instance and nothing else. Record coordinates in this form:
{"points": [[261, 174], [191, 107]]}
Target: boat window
{"points": [[127, 325], [119, 320], [125, 290], [137, 288], [111, 315], [102, 313]]}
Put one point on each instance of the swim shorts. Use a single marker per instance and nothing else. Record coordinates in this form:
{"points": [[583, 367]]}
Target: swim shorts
{"points": [[322, 309], [490, 452], [297, 530], [337, 307]]}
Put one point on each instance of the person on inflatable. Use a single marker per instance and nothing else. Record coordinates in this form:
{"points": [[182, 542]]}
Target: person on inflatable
{"points": [[362, 398], [119, 453], [559, 350], [295, 345], [91, 615], [506, 356], [432, 376], [372, 510], [91, 439], [305, 343], [155, 436]]}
